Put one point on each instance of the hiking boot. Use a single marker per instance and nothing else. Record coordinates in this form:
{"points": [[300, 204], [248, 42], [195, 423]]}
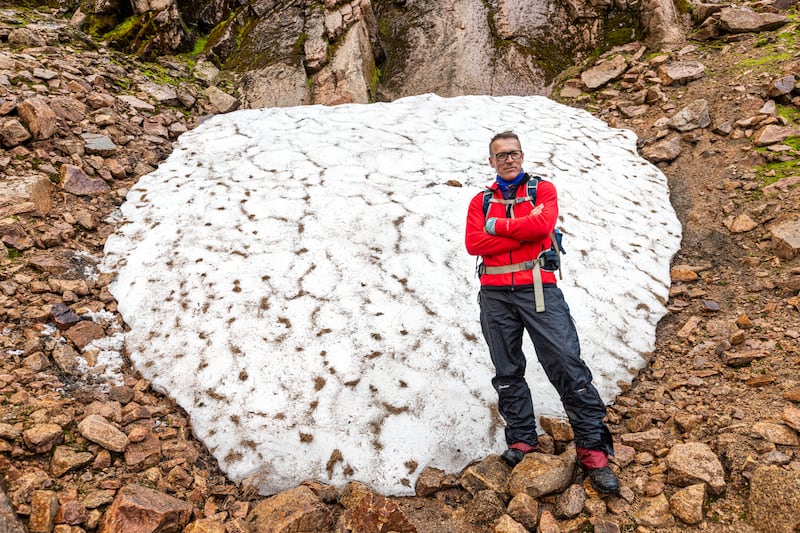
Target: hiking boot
{"points": [[516, 453], [604, 480]]}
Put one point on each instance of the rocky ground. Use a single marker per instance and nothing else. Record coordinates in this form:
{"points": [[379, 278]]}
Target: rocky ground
{"points": [[707, 436]]}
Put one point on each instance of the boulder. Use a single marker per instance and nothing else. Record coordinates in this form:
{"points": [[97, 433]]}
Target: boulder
{"points": [[38, 117], [491, 473], [786, 238], [540, 474], [693, 116], [138, 509], [695, 462], [604, 72], [744, 20], [687, 503], [297, 509], [680, 72]]}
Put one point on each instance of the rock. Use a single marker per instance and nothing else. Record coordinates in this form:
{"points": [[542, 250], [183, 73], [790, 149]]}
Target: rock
{"points": [[136, 103], [687, 503], [430, 480], [744, 20], [740, 224], [645, 441], [774, 501], [782, 185], [506, 524], [661, 24], [205, 71], [681, 72], [604, 72], [163, 94], [65, 459], [695, 115], [144, 453], [275, 86], [653, 512], [772, 134], [139, 509], [569, 503], [37, 117], [525, 510], [75, 181], [44, 505], [781, 86], [791, 415], [13, 234], [12, 132], [71, 512], [97, 144], [558, 428], [695, 462], [41, 438], [296, 509], [25, 194], [776, 433], [742, 358], [97, 429], [663, 151], [683, 273], [26, 36], [548, 523], [222, 101], [540, 474], [786, 238], [205, 525], [484, 508], [492, 473], [84, 332]]}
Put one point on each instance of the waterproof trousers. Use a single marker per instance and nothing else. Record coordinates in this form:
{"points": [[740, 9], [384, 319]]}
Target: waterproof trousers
{"points": [[505, 313]]}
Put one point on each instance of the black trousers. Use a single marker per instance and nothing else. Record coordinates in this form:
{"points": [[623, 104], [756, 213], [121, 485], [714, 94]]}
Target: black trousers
{"points": [[505, 313]]}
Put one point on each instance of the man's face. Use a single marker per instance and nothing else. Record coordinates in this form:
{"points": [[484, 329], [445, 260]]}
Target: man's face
{"points": [[510, 168]]}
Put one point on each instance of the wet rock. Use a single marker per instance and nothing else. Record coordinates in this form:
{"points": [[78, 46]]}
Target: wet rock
{"points": [[604, 72], [744, 20], [786, 238], [681, 72], [492, 473], [695, 462], [774, 501], [97, 429], [42, 437], [687, 503], [137, 508], [540, 474], [484, 508], [75, 181], [37, 117], [695, 115]]}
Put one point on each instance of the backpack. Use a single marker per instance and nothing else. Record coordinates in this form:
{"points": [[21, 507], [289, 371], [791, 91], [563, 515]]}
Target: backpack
{"points": [[552, 256]]}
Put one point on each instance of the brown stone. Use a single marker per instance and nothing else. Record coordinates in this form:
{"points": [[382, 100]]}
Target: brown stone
{"points": [[742, 358], [97, 429], [430, 480], [137, 509], [25, 194], [143, 454], [569, 503], [524, 509], [540, 474], [85, 332], [205, 525], [71, 512], [506, 524], [44, 505], [775, 499], [681, 72], [300, 509], [12, 132], [687, 503], [42, 437], [663, 151], [653, 512], [38, 118], [683, 273], [744, 20], [65, 459], [13, 234], [776, 433], [492, 473], [695, 462], [773, 134], [75, 181], [68, 108], [786, 238], [548, 523], [484, 508], [604, 72], [558, 428]]}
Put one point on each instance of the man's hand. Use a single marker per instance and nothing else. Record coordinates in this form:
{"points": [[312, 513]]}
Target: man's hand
{"points": [[490, 224], [536, 210]]}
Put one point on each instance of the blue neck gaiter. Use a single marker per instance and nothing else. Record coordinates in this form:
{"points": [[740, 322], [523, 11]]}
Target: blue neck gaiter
{"points": [[509, 188]]}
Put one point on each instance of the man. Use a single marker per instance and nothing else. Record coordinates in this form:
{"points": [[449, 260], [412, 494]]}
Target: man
{"points": [[510, 237]]}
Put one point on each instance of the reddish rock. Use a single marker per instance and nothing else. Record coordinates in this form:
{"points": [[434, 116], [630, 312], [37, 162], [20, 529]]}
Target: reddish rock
{"points": [[75, 181], [143, 454], [137, 509], [85, 332], [42, 437], [13, 234], [44, 505], [71, 512], [297, 509], [97, 429], [374, 512], [65, 459], [37, 116], [13, 133]]}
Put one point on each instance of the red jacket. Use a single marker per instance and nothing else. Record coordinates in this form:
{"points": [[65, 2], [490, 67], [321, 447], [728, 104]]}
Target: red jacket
{"points": [[520, 238]]}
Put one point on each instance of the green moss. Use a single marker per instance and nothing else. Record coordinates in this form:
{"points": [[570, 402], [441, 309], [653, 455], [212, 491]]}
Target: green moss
{"points": [[13, 253], [772, 172], [122, 30], [621, 27], [769, 62], [790, 113]]}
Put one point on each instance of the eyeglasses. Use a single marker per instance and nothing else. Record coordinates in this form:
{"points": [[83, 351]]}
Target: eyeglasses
{"points": [[502, 157]]}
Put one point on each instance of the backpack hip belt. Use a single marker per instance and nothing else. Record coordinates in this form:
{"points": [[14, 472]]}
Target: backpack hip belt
{"points": [[534, 264]]}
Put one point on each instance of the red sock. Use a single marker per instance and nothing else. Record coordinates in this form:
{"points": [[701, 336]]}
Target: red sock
{"points": [[523, 447]]}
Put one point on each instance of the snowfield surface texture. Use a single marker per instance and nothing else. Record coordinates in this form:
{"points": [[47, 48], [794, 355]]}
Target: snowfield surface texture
{"points": [[296, 279]]}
